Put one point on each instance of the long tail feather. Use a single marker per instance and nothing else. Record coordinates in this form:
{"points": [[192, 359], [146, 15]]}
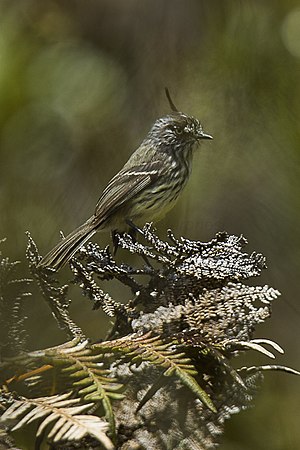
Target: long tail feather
{"points": [[65, 249]]}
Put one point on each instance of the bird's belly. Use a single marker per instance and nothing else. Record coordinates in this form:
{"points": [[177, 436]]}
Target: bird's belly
{"points": [[156, 203]]}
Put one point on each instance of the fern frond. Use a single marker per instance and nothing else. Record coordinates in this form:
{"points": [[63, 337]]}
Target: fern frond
{"points": [[84, 278], [164, 355], [93, 380], [55, 295], [77, 359], [274, 367], [69, 424], [254, 344], [12, 321]]}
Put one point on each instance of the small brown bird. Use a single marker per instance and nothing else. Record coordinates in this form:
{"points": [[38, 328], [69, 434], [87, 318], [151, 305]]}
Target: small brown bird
{"points": [[145, 189]]}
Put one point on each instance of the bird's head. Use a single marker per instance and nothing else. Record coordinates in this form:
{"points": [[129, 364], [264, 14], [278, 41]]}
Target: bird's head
{"points": [[177, 129]]}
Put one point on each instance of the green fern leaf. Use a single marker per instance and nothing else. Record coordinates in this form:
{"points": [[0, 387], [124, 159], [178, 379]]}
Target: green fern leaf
{"points": [[161, 354], [86, 367], [81, 363]]}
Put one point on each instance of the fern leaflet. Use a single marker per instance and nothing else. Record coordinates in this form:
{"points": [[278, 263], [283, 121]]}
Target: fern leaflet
{"points": [[161, 354], [69, 424]]}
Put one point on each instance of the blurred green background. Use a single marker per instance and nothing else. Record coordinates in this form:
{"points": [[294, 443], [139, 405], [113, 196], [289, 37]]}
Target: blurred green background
{"points": [[81, 83]]}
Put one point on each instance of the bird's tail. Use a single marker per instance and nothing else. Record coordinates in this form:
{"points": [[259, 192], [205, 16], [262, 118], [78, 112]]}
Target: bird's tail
{"points": [[65, 249]]}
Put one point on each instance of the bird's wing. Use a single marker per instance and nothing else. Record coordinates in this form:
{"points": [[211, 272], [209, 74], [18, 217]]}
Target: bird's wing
{"points": [[123, 187]]}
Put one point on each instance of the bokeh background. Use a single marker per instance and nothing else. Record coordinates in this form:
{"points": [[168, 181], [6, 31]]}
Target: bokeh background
{"points": [[81, 83]]}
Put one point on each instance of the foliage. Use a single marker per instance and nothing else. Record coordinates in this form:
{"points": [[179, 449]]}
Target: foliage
{"points": [[70, 424], [13, 292], [163, 377]]}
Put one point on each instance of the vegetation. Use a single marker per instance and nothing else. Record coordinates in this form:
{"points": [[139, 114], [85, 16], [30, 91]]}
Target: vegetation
{"points": [[163, 377]]}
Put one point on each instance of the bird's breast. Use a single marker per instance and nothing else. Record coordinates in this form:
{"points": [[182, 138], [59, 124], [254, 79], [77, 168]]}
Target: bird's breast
{"points": [[160, 197]]}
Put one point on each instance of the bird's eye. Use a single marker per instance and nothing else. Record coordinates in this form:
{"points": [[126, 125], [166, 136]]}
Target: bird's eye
{"points": [[178, 131]]}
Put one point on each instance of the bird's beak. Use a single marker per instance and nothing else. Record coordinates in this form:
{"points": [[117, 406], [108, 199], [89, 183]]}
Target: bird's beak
{"points": [[202, 135]]}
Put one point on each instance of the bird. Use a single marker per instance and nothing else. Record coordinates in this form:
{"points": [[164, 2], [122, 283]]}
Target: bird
{"points": [[145, 189]]}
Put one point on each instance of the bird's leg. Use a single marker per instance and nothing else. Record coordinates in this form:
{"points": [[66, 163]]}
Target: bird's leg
{"points": [[132, 233], [133, 230], [114, 241]]}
